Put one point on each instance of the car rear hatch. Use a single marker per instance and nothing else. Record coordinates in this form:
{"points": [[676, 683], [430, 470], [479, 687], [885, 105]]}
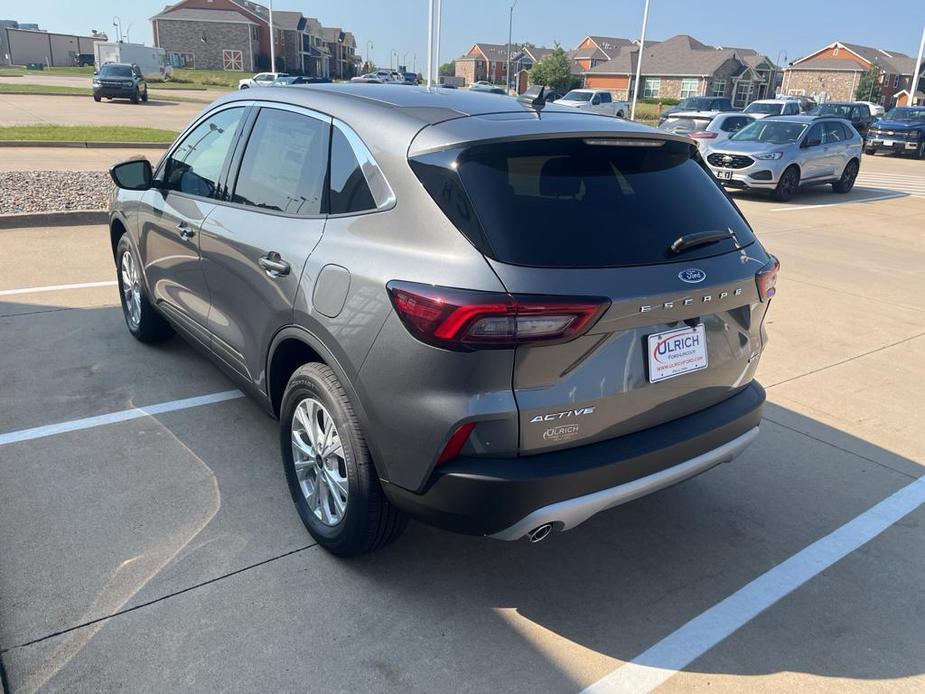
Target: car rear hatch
{"points": [[592, 217]]}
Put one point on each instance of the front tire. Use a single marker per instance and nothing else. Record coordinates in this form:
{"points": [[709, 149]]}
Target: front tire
{"points": [[243, 86], [135, 97], [920, 152], [871, 152], [144, 95], [787, 185], [97, 98], [143, 322], [848, 177], [331, 478]]}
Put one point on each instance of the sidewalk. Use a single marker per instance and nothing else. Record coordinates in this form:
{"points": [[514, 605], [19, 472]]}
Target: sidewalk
{"points": [[69, 158]]}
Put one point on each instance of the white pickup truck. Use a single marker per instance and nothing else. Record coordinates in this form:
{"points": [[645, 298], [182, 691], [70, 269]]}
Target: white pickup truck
{"points": [[597, 100]]}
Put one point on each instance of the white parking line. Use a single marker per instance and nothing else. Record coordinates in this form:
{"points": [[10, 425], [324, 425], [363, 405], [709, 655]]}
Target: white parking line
{"points": [[56, 287], [833, 204], [120, 416], [680, 648]]}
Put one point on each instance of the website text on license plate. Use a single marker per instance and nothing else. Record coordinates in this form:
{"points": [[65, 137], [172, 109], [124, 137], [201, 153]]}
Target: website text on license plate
{"points": [[677, 352]]}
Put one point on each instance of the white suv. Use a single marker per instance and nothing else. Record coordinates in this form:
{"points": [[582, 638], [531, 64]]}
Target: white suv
{"points": [[773, 107], [261, 79]]}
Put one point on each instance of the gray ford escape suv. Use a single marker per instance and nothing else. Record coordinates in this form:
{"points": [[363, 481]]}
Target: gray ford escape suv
{"points": [[496, 319]]}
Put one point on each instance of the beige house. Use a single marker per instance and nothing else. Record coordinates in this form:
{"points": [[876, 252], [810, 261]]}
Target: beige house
{"points": [[833, 73], [681, 67]]}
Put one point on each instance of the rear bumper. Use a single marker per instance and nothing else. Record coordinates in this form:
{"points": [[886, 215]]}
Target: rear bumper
{"points": [[507, 497]]}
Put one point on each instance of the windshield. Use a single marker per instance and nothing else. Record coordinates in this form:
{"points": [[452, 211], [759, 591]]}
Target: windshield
{"points": [[116, 71], [770, 109], [906, 114], [577, 202], [577, 96], [772, 132], [694, 104], [841, 110]]}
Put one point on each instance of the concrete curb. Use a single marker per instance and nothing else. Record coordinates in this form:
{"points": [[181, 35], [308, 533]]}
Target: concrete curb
{"points": [[53, 219], [88, 145]]}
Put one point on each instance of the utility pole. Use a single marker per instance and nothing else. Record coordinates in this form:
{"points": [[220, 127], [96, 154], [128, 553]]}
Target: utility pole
{"points": [[437, 43], [642, 45], [272, 41], [510, 26], [918, 70], [117, 23], [430, 42], [369, 46]]}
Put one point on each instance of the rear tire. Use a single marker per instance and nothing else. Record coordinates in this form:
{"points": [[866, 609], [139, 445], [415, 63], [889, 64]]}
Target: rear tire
{"points": [[787, 185], [361, 519], [97, 98], [848, 177], [142, 320]]}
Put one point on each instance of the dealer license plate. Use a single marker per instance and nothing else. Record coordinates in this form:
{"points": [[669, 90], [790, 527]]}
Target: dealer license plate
{"points": [[677, 352], [724, 175], [887, 143]]}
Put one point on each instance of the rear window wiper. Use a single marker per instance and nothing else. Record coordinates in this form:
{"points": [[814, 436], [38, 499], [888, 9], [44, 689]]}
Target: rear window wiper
{"points": [[700, 238]]}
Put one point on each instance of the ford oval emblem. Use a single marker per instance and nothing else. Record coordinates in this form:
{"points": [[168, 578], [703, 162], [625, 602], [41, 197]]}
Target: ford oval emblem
{"points": [[692, 275]]}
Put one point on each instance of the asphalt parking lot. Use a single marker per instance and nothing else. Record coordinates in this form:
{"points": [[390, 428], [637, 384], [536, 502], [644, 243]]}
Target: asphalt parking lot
{"points": [[158, 112], [148, 541]]}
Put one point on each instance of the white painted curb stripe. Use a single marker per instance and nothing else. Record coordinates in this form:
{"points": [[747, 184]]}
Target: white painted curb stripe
{"points": [[680, 648], [56, 287], [113, 417], [846, 202]]}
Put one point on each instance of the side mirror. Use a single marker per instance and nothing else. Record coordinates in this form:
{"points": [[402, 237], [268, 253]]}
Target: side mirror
{"points": [[815, 142], [134, 174]]}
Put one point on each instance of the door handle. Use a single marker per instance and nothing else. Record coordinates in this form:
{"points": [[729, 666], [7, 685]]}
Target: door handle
{"points": [[186, 231], [274, 265]]}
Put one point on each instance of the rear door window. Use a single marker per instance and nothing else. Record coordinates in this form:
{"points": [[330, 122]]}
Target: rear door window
{"points": [[284, 163], [605, 98], [580, 202]]}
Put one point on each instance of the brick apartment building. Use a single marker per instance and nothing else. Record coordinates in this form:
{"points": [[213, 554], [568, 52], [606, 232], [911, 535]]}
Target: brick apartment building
{"points": [[235, 35], [832, 73]]}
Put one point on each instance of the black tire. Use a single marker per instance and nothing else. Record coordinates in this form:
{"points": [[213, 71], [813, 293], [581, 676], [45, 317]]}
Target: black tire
{"points": [[619, 114], [150, 326], [787, 185], [144, 95], [97, 98], [920, 152], [135, 96], [871, 152], [369, 521], [243, 86], [848, 176]]}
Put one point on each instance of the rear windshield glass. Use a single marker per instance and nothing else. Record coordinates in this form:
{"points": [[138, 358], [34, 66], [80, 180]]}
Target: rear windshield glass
{"points": [[116, 71], [684, 125], [695, 103], [580, 203], [771, 109]]}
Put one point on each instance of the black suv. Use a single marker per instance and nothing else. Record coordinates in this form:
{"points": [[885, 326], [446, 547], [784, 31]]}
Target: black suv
{"points": [[857, 114], [120, 81]]}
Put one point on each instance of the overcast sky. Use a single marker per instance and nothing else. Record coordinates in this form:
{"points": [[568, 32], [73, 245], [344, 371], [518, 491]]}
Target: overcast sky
{"points": [[774, 27]]}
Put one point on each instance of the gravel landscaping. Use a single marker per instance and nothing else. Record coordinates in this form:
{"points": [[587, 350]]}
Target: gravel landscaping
{"points": [[53, 191]]}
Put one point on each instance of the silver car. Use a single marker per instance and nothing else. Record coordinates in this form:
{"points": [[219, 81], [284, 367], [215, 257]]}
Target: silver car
{"points": [[782, 153], [706, 128], [459, 311]]}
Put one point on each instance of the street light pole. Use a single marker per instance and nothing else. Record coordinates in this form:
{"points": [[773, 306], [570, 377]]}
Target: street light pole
{"points": [[918, 69], [510, 26], [117, 23], [437, 43], [430, 41], [272, 41], [642, 45]]}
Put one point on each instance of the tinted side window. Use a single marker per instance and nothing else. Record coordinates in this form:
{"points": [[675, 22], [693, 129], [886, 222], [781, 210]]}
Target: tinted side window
{"points": [[833, 132], [196, 164], [815, 133], [284, 163], [349, 189], [605, 98]]}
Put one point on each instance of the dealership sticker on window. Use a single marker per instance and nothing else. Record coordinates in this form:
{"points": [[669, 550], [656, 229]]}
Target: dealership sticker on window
{"points": [[677, 352]]}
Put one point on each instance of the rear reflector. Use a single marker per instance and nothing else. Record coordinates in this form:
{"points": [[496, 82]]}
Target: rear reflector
{"points": [[456, 442], [766, 278], [463, 319], [702, 135]]}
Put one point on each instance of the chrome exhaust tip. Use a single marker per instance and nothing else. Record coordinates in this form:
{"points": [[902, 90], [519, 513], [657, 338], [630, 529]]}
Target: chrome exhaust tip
{"points": [[539, 533]]}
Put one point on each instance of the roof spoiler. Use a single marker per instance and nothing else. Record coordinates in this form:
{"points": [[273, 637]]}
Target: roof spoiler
{"points": [[535, 97]]}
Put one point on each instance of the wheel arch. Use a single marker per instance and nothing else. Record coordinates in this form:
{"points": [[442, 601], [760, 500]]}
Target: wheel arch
{"points": [[293, 346]]}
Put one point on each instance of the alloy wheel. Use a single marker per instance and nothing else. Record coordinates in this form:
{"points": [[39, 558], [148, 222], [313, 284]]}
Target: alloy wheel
{"points": [[131, 289], [320, 465]]}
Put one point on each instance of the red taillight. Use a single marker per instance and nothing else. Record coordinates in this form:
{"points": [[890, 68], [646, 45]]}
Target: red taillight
{"points": [[767, 279], [456, 442], [466, 319], [702, 135]]}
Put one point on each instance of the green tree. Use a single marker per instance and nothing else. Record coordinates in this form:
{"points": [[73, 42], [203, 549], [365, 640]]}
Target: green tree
{"points": [[555, 70], [869, 85], [448, 69]]}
